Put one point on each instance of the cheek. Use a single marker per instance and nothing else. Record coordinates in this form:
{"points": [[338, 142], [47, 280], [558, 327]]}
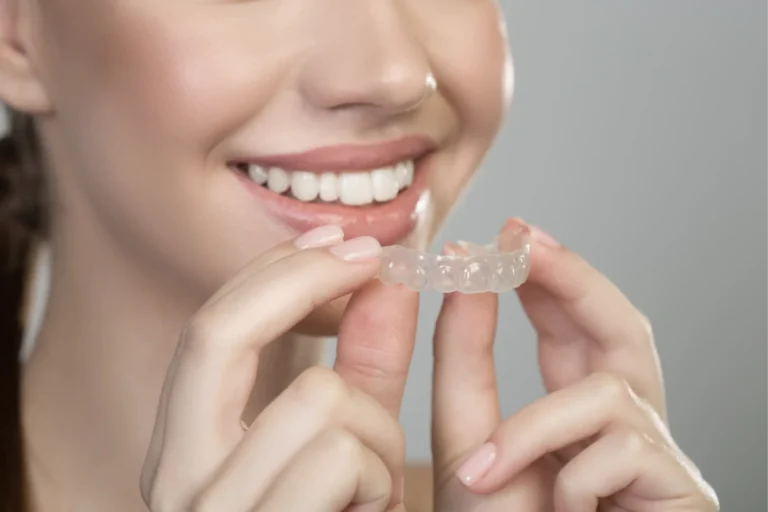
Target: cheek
{"points": [[471, 55], [186, 73], [146, 94]]}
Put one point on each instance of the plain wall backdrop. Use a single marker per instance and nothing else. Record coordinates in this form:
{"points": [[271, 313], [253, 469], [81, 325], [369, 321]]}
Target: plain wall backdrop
{"points": [[638, 138]]}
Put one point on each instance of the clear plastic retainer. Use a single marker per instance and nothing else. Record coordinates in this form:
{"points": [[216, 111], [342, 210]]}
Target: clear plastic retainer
{"points": [[498, 267]]}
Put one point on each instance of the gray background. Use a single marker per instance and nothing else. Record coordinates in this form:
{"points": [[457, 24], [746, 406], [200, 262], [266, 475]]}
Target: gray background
{"points": [[638, 138]]}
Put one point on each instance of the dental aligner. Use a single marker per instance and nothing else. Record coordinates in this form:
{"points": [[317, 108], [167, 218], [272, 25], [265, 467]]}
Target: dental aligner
{"points": [[498, 267]]}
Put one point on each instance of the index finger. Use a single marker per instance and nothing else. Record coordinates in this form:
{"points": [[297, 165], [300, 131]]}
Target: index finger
{"points": [[215, 366], [585, 323]]}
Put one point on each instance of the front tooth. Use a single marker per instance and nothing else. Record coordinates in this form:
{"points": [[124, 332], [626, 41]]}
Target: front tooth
{"points": [[304, 185], [355, 188], [278, 180], [329, 187], [384, 184], [258, 174]]}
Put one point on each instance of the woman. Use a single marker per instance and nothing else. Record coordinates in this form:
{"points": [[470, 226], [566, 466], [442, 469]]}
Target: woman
{"points": [[193, 167]]}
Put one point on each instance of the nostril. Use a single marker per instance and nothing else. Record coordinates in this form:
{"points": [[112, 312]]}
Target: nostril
{"points": [[388, 80]]}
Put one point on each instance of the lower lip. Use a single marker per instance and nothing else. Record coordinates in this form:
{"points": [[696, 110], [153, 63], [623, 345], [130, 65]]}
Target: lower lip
{"points": [[388, 222]]}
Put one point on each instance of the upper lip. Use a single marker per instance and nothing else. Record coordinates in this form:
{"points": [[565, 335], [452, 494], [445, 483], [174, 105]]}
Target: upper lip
{"points": [[349, 157]]}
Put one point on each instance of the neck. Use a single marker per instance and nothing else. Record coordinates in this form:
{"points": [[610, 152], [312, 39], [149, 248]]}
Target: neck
{"points": [[92, 383]]}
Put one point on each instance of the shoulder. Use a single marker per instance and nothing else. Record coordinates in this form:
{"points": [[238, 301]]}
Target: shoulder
{"points": [[418, 488]]}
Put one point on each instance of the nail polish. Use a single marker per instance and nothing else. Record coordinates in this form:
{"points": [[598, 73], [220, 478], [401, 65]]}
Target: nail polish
{"points": [[357, 249], [320, 237], [478, 465]]}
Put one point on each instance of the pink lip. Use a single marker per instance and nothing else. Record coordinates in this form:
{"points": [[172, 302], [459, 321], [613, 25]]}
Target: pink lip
{"points": [[349, 157], [388, 222]]}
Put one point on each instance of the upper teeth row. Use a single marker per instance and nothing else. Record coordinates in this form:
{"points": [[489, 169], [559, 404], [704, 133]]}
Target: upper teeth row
{"points": [[350, 188]]}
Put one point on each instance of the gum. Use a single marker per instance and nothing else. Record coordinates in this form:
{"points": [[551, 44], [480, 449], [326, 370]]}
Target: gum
{"points": [[498, 267]]}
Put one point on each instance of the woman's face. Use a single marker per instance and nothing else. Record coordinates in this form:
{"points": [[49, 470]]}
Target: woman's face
{"points": [[159, 110]]}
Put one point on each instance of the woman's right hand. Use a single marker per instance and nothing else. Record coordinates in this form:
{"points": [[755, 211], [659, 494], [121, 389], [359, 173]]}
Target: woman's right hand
{"points": [[322, 445]]}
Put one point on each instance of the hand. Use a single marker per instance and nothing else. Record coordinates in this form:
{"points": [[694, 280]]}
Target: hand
{"points": [[597, 441], [322, 445]]}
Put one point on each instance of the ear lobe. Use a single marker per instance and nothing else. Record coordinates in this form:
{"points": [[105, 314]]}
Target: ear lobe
{"points": [[20, 86]]}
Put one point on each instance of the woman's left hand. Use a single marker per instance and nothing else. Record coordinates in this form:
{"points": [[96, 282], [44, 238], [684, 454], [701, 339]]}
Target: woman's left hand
{"points": [[597, 441]]}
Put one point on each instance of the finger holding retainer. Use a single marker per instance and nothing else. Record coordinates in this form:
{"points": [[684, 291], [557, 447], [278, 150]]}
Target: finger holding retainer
{"points": [[499, 267]]}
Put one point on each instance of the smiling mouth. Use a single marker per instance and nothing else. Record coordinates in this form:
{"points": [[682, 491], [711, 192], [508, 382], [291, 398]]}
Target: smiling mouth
{"points": [[349, 188], [373, 190]]}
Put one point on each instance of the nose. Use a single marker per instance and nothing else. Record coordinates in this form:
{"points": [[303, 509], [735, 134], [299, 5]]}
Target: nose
{"points": [[365, 56]]}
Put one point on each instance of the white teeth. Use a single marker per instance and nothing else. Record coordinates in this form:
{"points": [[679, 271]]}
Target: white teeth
{"points": [[329, 187], [350, 188], [404, 174], [278, 180], [385, 187], [258, 174], [410, 170], [355, 189], [304, 185]]}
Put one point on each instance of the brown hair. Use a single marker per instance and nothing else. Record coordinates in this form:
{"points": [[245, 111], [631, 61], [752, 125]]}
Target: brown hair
{"points": [[21, 221]]}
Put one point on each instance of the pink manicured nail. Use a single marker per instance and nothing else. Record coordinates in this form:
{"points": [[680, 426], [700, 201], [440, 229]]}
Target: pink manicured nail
{"points": [[542, 237], [478, 465], [362, 248], [320, 237], [453, 249]]}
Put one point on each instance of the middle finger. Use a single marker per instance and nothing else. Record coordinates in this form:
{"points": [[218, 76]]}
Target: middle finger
{"points": [[317, 401], [218, 356]]}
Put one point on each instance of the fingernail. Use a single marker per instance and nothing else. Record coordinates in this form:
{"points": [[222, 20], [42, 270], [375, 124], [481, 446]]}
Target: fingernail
{"points": [[357, 249], [513, 223], [513, 234], [540, 236], [453, 249], [478, 465], [320, 237]]}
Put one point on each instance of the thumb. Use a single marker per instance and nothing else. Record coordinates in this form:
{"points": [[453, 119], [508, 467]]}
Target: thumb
{"points": [[376, 340], [465, 409]]}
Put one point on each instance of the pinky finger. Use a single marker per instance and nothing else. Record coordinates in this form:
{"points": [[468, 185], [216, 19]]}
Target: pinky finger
{"points": [[335, 471], [631, 468]]}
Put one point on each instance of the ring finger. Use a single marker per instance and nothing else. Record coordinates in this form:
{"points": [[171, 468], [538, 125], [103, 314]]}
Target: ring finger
{"points": [[625, 459], [572, 415], [334, 472], [319, 399]]}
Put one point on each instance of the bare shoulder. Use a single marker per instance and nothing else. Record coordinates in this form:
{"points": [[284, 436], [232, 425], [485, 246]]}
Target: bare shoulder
{"points": [[418, 488]]}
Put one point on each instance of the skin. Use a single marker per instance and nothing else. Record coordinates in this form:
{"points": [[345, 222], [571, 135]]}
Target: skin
{"points": [[160, 260]]}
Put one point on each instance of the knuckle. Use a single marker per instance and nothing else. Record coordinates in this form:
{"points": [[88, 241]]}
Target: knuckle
{"points": [[613, 388], [344, 447], [635, 444], [568, 483], [321, 388], [632, 442]]}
